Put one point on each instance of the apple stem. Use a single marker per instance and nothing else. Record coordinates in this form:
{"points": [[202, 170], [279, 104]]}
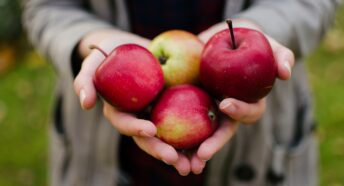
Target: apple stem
{"points": [[92, 46], [230, 26]]}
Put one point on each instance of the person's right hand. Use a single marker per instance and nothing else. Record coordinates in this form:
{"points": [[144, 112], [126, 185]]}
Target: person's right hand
{"points": [[107, 40], [143, 131]]}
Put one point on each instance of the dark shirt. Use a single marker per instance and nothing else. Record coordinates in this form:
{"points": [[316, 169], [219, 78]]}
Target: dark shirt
{"points": [[149, 18]]}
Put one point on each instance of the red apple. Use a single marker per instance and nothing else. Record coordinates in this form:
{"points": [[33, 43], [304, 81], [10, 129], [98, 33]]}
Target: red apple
{"points": [[129, 78], [242, 67], [184, 116], [179, 53]]}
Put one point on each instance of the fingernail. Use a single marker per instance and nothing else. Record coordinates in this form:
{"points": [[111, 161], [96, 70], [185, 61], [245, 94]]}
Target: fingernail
{"points": [[197, 173], [227, 106], [144, 134], [183, 173], [82, 97], [287, 66]]}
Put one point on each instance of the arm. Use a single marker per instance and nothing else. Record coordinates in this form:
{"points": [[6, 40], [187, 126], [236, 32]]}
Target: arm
{"points": [[60, 27], [296, 24], [56, 27]]}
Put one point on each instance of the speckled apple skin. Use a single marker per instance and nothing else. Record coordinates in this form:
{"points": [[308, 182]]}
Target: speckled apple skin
{"points": [[246, 73], [182, 51], [184, 116], [129, 78]]}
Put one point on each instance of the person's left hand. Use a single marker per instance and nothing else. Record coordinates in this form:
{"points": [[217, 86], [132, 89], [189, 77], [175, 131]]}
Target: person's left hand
{"points": [[237, 110]]}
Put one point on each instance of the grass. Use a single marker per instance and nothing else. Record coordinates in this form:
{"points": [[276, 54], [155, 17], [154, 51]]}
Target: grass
{"points": [[326, 72], [25, 107], [26, 98]]}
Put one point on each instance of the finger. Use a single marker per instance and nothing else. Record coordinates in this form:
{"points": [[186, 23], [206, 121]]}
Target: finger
{"points": [[284, 58], [241, 111], [128, 124], [207, 34], [182, 165], [83, 83], [197, 165], [214, 143], [158, 149]]}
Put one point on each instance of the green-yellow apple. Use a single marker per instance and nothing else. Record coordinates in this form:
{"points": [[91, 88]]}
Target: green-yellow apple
{"points": [[179, 53]]}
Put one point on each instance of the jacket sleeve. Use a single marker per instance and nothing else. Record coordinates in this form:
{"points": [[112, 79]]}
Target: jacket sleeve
{"points": [[297, 24], [56, 26]]}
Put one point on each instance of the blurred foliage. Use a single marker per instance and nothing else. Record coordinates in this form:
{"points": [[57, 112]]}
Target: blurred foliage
{"points": [[7, 58], [26, 84], [10, 19], [13, 43], [26, 97], [326, 72]]}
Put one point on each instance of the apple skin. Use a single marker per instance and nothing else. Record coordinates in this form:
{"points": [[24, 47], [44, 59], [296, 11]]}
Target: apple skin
{"points": [[129, 78], [246, 73], [179, 53], [184, 116]]}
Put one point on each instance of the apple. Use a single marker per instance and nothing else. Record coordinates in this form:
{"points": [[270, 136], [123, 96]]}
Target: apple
{"points": [[184, 116], [179, 53], [129, 78], [241, 67]]}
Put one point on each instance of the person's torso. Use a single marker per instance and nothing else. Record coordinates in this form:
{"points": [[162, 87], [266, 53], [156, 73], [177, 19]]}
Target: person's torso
{"points": [[86, 152]]}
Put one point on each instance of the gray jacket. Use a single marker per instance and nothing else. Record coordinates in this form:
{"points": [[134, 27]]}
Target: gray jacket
{"points": [[279, 150]]}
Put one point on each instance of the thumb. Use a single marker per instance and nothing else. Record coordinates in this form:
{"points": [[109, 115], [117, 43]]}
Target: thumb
{"points": [[284, 57], [83, 83]]}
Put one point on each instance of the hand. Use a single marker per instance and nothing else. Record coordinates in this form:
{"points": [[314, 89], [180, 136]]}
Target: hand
{"points": [[237, 110], [186, 163], [106, 40], [143, 131], [241, 111]]}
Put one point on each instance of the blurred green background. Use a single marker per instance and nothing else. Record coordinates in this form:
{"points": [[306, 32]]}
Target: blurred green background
{"points": [[26, 98]]}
